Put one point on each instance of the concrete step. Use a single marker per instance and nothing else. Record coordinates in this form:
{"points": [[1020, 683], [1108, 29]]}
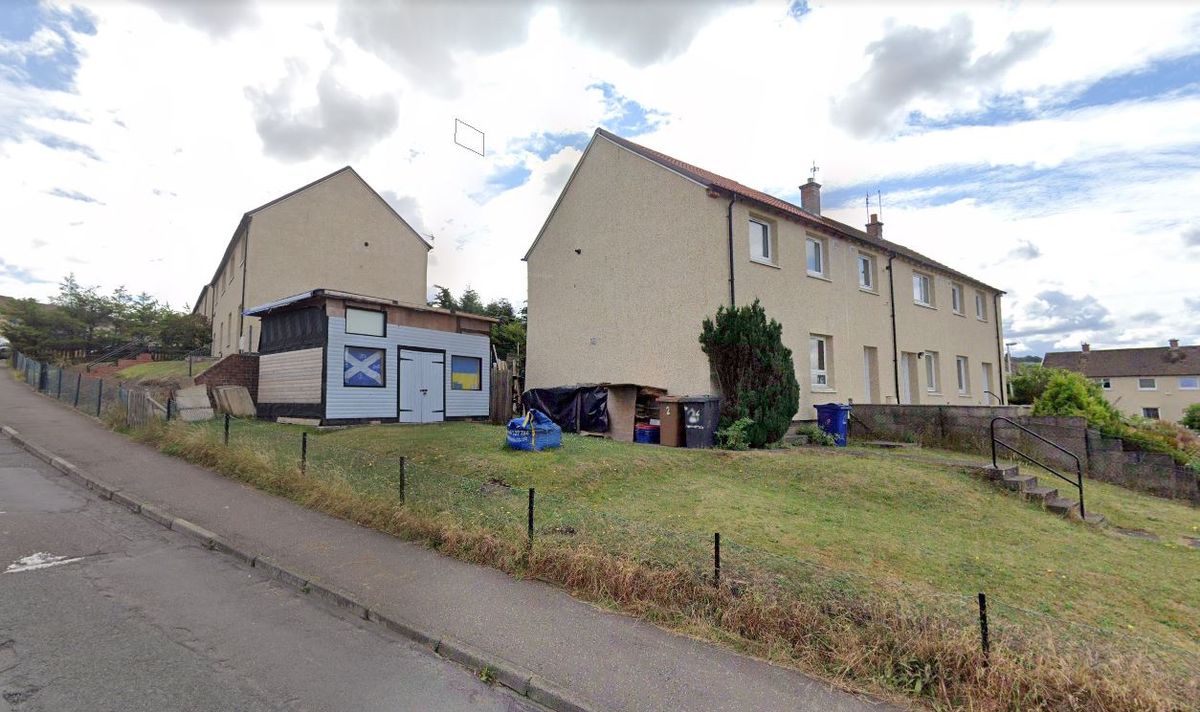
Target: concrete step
{"points": [[1063, 506], [1020, 483], [1097, 519], [1041, 492], [999, 473]]}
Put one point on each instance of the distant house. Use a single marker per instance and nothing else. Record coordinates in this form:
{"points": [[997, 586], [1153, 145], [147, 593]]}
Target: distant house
{"points": [[641, 247], [338, 357], [1158, 382], [336, 231]]}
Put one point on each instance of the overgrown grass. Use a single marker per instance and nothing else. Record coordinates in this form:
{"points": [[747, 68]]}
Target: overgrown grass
{"points": [[162, 371], [835, 564]]}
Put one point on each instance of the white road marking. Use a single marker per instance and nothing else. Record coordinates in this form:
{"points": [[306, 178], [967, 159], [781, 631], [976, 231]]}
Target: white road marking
{"points": [[40, 560]]}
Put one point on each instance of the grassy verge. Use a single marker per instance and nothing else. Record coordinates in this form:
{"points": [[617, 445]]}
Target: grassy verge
{"points": [[162, 371], [889, 547]]}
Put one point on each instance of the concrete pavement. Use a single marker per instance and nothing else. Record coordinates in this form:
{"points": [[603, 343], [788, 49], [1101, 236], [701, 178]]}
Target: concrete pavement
{"points": [[602, 660], [134, 617]]}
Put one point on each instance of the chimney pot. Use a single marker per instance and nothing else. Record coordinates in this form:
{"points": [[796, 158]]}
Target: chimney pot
{"points": [[1086, 347], [1174, 343], [810, 197], [875, 228]]}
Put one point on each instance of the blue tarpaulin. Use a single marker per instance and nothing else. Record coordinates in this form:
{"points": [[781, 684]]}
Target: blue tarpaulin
{"points": [[533, 432]]}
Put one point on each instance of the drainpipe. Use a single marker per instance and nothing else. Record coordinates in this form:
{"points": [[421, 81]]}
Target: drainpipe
{"points": [[729, 221], [1000, 365], [242, 307], [895, 347]]}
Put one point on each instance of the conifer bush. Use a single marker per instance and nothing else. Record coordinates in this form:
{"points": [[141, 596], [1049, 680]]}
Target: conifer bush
{"points": [[753, 370]]}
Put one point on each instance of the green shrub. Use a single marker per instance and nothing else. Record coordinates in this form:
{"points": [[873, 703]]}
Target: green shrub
{"points": [[816, 436], [1191, 417], [753, 370], [1070, 394], [1029, 383], [733, 436]]}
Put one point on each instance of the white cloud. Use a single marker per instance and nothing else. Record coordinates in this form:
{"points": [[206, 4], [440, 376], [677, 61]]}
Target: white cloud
{"points": [[164, 136]]}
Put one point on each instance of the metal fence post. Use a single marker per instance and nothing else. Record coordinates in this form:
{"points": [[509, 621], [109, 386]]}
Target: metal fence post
{"points": [[303, 452], [983, 627], [529, 543], [99, 395], [403, 476], [169, 402], [227, 428], [78, 385], [59, 396], [717, 559]]}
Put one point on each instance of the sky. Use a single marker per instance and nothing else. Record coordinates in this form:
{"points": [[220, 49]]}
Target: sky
{"points": [[1051, 149]]}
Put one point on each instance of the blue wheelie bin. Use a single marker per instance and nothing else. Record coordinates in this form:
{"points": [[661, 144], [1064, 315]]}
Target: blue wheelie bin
{"points": [[834, 418]]}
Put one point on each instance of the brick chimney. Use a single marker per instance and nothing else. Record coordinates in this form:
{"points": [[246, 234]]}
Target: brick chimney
{"points": [[1086, 347], [1174, 343], [875, 228], [810, 197]]}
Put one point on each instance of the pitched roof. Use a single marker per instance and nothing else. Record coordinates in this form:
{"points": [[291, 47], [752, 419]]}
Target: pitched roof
{"points": [[718, 182], [1153, 361], [269, 307], [250, 213]]}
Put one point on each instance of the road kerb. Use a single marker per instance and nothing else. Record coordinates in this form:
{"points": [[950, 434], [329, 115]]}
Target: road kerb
{"points": [[508, 674]]}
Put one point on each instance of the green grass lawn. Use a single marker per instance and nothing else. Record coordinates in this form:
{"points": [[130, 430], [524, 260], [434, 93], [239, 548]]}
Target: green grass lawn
{"points": [[162, 371], [877, 518]]}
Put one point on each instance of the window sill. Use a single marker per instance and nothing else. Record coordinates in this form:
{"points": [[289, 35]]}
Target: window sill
{"points": [[982, 321], [821, 389], [764, 263], [818, 275], [934, 393], [924, 306], [868, 290], [960, 314]]}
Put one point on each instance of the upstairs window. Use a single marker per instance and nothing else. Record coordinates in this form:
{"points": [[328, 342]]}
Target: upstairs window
{"points": [[1189, 383], [815, 256], [1105, 383], [818, 359], [1147, 384], [922, 289], [761, 249], [956, 298], [980, 306], [866, 272], [364, 322]]}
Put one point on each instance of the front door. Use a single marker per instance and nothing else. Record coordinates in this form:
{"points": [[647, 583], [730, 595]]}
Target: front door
{"points": [[422, 386]]}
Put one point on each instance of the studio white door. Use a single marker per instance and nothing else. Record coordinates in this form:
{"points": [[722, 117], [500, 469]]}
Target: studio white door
{"points": [[422, 386]]}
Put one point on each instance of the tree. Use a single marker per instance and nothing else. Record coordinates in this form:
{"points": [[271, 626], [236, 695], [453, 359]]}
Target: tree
{"points": [[1029, 383], [1191, 417], [754, 371], [1071, 394], [444, 299], [470, 302], [40, 331]]}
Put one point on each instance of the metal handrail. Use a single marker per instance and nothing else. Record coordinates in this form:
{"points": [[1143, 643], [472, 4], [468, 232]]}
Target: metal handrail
{"points": [[998, 398], [115, 352], [1078, 482]]}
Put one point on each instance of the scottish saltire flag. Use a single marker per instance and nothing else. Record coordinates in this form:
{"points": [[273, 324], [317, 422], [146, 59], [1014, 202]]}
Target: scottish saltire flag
{"points": [[363, 367]]}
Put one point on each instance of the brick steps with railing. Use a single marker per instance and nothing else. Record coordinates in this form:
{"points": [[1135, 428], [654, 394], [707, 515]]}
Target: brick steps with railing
{"points": [[1010, 477]]}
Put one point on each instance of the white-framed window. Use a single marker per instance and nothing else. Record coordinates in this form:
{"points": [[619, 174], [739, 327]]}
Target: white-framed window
{"points": [[931, 371], [964, 374], [1147, 384], [761, 248], [365, 322], [818, 360], [980, 306], [866, 271], [922, 289], [1105, 383], [956, 297], [814, 256], [1189, 383], [1151, 413]]}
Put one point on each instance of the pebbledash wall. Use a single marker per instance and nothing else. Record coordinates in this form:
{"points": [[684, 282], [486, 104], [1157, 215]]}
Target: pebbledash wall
{"points": [[966, 429]]}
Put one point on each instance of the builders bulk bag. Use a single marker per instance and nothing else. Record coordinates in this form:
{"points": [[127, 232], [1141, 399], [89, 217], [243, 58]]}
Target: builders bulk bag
{"points": [[533, 432]]}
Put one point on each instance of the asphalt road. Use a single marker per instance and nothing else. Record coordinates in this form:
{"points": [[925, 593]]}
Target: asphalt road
{"points": [[136, 617]]}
